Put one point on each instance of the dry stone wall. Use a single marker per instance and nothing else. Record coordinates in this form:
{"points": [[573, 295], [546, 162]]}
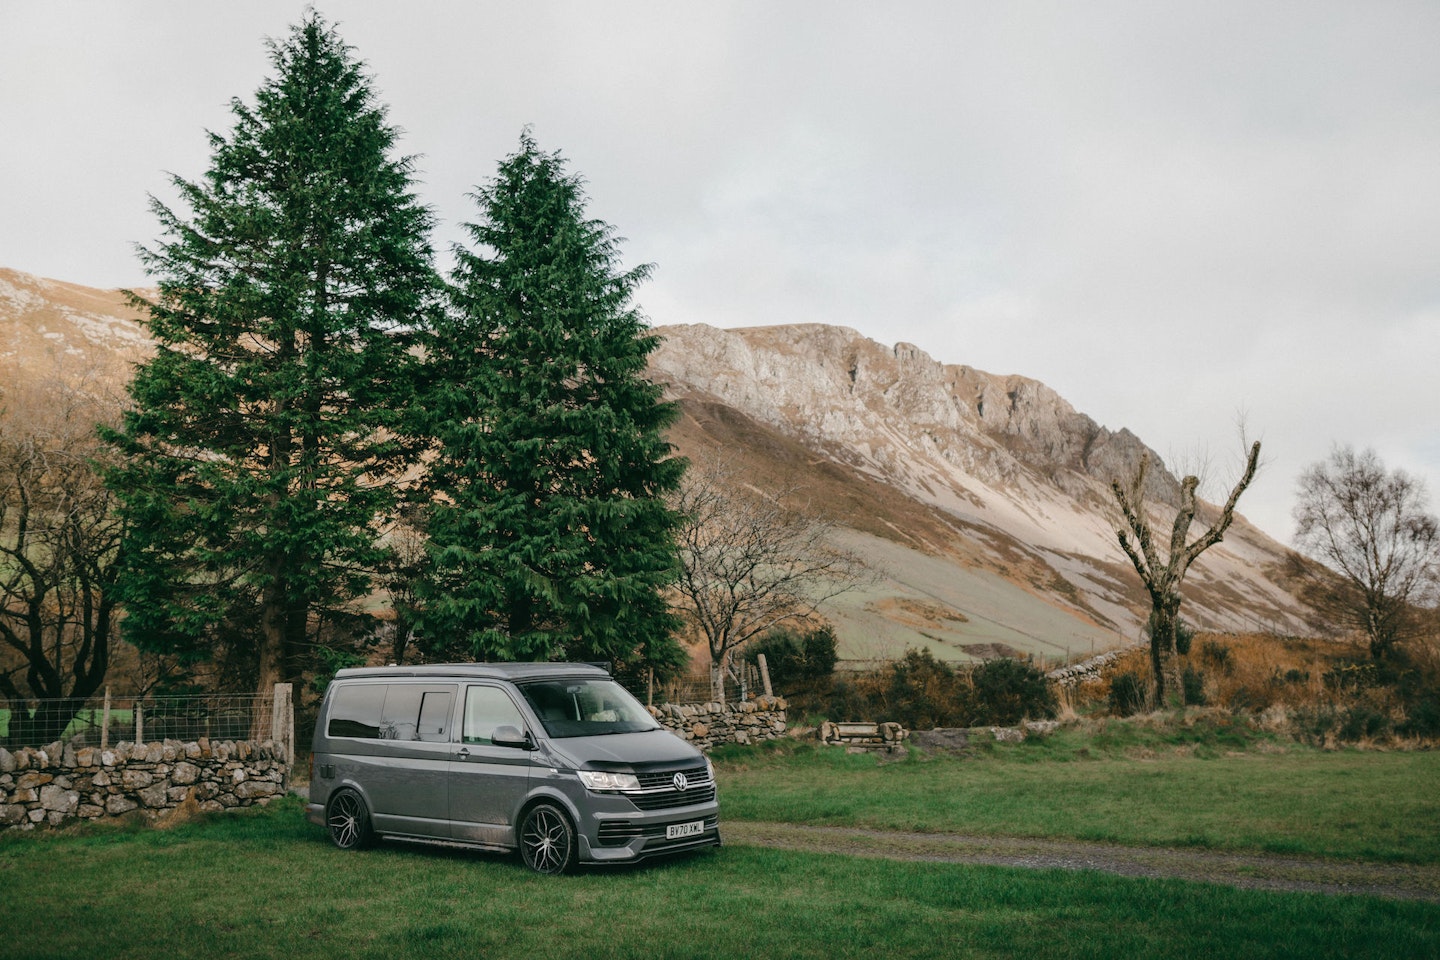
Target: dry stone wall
{"points": [[709, 724], [63, 782], [1089, 671]]}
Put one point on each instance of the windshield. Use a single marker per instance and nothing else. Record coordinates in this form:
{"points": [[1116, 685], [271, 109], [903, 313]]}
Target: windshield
{"points": [[586, 708]]}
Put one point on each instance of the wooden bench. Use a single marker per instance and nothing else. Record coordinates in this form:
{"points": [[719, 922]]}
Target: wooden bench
{"points": [[867, 735]]}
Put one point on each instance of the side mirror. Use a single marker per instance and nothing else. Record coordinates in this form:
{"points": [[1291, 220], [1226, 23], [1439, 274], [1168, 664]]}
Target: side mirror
{"points": [[509, 736]]}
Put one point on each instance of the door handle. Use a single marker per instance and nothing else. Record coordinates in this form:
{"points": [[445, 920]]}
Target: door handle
{"points": [[463, 753]]}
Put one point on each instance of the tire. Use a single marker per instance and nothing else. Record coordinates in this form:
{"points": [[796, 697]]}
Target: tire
{"points": [[348, 821], [547, 839]]}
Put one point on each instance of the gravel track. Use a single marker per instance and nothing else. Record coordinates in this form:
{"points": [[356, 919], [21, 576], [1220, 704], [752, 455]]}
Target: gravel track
{"points": [[1248, 870]]}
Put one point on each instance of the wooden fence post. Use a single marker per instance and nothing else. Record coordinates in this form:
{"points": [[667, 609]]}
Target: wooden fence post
{"points": [[765, 675], [105, 721], [139, 723], [282, 721]]}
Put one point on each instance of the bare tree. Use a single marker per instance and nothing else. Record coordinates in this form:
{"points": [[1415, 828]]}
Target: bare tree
{"points": [[752, 560], [59, 543], [1372, 527], [1162, 574]]}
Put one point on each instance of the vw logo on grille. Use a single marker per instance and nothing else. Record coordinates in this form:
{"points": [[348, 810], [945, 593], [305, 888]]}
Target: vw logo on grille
{"points": [[680, 782]]}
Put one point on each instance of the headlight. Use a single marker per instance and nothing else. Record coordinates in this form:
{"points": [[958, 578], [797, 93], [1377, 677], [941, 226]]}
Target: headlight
{"points": [[604, 780]]}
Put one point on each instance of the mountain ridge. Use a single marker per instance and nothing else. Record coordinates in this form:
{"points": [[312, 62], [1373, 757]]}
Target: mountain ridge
{"points": [[980, 501]]}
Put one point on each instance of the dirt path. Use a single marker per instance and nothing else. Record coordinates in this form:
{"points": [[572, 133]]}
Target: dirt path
{"points": [[1255, 871]]}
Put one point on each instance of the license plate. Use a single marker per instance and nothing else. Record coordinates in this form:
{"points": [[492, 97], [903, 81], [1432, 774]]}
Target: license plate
{"points": [[677, 830]]}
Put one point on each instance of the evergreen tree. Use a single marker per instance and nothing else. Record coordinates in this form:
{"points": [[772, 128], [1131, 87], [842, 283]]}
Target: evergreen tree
{"points": [[549, 530], [262, 444]]}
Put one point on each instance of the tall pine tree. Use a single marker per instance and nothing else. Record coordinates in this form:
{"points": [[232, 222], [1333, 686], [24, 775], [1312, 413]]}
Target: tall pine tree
{"points": [[549, 532], [262, 444]]}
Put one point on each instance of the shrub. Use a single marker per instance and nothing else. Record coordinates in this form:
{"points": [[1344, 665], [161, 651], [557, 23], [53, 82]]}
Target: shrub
{"points": [[1312, 724], [1003, 692], [1414, 670], [1352, 675], [1363, 722], [845, 700], [1216, 655], [916, 691], [1192, 685], [923, 693], [1422, 717], [1127, 694], [1184, 636], [796, 661]]}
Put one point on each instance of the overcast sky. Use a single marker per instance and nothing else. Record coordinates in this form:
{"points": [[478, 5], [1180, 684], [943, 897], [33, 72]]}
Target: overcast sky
{"points": [[1174, 214]]}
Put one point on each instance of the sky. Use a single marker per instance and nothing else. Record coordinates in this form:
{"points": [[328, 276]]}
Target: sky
{"points": [[1182, 217]]}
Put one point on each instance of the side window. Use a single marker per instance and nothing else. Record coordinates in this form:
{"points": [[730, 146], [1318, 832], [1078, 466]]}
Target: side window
{"points": [[485, 709], [435, 715], [415, 711], [356, 711], [402, 710]]}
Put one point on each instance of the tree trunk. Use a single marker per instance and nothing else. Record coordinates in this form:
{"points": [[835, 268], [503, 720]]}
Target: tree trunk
{"points": [[1164, 656], [273, 624]]}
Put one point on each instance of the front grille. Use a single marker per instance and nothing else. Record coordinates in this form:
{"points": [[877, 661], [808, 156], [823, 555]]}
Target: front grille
{"points": [[666, 780], [617, 833], [657, 790], [664, 800]]}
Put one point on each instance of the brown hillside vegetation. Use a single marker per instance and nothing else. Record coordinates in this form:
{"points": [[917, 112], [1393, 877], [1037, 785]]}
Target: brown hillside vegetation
{"points": [[1317, 690]]}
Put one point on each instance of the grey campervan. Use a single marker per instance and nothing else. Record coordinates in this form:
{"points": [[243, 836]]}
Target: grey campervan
{"points": [[556, 760]]}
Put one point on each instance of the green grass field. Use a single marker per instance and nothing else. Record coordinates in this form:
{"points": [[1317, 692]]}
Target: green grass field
{"points": [[1348, 804], [267, 884]]}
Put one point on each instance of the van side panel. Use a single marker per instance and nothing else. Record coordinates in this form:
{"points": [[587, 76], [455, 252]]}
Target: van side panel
{"points": [[400, 759]]}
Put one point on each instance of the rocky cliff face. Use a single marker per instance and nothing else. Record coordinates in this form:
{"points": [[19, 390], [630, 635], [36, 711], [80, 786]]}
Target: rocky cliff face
{"points": [[1009, 481], [978, 445], [981, 502]]}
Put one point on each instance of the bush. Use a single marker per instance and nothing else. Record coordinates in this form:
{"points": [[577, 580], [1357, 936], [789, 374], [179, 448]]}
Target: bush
{"points": [[916, 691], [1184, 636], [1363, 722], [846, 699], [923, 693], [1192, 685], [1127, 694], [1216, 655], [796, 661], [1004, 692], [1422, 717], [1352, 675], [1415, 673], [1312, 724]]}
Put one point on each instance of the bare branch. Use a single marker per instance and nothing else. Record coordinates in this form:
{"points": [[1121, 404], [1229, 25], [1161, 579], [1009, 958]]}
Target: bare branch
{"points": [[752, 560]]}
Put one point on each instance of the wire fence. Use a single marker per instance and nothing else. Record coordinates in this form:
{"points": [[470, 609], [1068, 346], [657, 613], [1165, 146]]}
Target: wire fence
{"points": [[140, 719], [742, 683]]}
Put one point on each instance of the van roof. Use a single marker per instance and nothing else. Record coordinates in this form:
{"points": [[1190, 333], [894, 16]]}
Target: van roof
{"points": [[479, 671]]}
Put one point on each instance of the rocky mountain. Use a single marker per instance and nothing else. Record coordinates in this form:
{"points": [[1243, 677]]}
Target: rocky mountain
{"points": [[980, 502]]}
